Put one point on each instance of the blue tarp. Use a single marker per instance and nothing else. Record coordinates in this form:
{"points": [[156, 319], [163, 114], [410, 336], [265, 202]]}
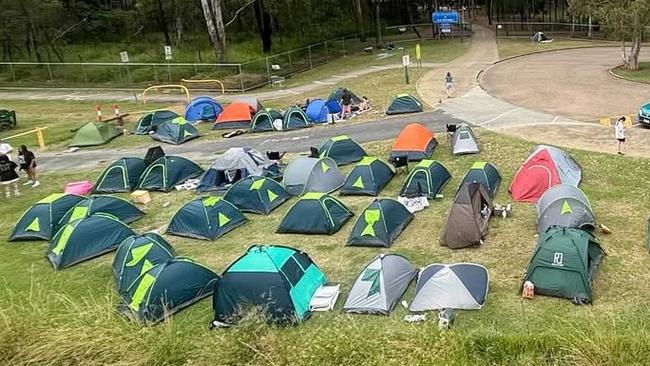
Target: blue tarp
{"points": [[202, 109]]}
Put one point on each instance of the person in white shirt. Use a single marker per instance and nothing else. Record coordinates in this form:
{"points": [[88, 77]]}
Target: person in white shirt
{"points": [[6, 149], [619, 129]]}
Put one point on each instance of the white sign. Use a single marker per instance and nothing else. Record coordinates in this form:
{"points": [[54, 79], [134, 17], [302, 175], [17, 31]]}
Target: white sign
{"points": [[124, 56], [558, 259], [499, 26], [168, 53], [406, 60]]}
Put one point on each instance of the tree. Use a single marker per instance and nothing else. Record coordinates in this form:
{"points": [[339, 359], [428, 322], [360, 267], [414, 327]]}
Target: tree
{"points": [[263, 19], [214, 22]]}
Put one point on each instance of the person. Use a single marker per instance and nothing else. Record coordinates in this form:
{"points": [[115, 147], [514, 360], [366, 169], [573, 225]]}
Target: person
{"points": [[449, 84], [365, 104], [619, 131], [8, 176], [6, 149], [27, 162], [346, 102]]}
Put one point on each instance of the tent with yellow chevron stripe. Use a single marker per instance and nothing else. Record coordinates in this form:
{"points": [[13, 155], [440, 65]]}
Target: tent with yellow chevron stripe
{"points": [[257, 195], [206, 218], [368, 177], [136, 255], [380, 223], [40, 221]]}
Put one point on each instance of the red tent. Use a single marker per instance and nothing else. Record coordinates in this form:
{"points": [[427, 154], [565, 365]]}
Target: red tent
{"points": [[235, 115]]}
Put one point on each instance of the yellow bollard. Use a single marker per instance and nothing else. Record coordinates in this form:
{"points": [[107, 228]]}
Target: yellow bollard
{"points": [[628, 121], [605, 121], [39, 138]]}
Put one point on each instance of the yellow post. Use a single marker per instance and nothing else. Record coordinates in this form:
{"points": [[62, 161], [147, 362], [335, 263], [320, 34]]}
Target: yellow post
{"points": [[628, 121], [39, 138], [418, 54]]}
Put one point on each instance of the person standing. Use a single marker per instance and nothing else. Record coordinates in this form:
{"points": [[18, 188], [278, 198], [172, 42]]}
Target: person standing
{"points": [[346, 102], [6, 149], [449, 84], [27, 162], [8, 176], [619, 131]]}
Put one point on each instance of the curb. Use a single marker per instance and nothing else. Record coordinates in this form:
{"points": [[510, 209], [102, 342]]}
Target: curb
{"points": [[612, 73]]}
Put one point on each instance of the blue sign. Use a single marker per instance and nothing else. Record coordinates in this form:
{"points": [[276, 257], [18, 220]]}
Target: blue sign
{"points": [[445, 17]]}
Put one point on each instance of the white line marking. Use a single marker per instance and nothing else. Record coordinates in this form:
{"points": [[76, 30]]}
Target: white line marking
{"points": [[377, 67], [499, 116], [555, 119], [323, 82], [293, 92]]}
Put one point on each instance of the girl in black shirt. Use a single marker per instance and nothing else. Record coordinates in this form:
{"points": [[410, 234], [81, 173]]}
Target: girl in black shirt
{"points": [[27, 162]]}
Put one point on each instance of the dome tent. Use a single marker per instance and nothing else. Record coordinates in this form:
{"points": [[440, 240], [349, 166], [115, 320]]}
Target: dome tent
{"points": [[150, 121], [235, 164], [235, 115], [39, 222], [468, 218], [202, 109], [380, 223], [294, 118], [94, 134], [404, 103], [451, 286], [305, 174], [167, 172], [136, 255], [205, 218], [484, 173], [566, 206], [415, 141], [428, 178], [253, 102], [121, 176], [315, 213], [342, 149], [257, 195], [317, 111], [264, 120], [463, 141], [368, 177], [176, 131], [337, 94], [115, 207]]}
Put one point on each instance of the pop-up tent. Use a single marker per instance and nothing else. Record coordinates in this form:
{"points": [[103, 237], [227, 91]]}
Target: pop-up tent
{"points": [[451, 286], [380, 285], [467, 221], [564, 264], [136, 255], [380, 223], [317, 111], [116, 207], [121, 176], [415, 142], [206, 218], [167, 172], [150, 121], [312, 175], [95, 133], [235, 164], [279, 281], [368, 177], [294, 118], [484, 173], [337, 94], [463, 141], [564, 205], [202, 109], [541, 38], [404, 103], [39, 222], [545, 167], [342, 149], [315, 213], [167, 288], [257, 195], [86, 238], [235, 115], [176, 131], [266, 119], [427, 179]]}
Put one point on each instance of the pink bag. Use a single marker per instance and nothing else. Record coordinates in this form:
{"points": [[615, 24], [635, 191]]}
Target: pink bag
{"points": [[81, 188]]}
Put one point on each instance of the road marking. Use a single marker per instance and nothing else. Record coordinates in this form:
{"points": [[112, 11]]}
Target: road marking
{"points": [[323, 82], [376, 67], [498, 117], [296, 138], [293, 92], [555, 119]]}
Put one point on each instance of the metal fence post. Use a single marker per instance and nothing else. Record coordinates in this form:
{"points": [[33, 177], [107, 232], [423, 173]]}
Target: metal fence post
{"points": [[241, 80], [49, 71], [83, 72], [11, 69], [343, 44], [169, 72], [326, 49], [155, 73], [268, 71], [290, 64], [311, 66]]}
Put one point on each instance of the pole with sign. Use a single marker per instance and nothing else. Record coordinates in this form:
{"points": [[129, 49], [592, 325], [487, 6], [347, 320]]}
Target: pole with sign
{"points": [[168, 57], [124, 56], [405, 61], [418, 55]]}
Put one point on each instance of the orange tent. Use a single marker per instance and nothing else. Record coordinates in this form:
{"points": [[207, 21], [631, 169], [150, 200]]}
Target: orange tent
{"points": [[415, 141], [235, 115]]}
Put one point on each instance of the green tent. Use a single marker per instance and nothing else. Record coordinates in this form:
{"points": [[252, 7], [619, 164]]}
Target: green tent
{"points": [[278, 280], [206, 218], [294, 118], [342, 149], [404, 103], [167, 172], [257, 195], [368, 177], [39, 222], [86, 238], [264, 120], [175, 132], [484, 173], [315, 213], [150, 121], [95, 133], [380, 223], [428, 178], [121, 176], [564, 264], [116, 207]]}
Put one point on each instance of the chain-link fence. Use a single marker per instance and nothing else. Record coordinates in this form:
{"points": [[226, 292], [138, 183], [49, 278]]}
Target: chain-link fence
{"points": [[568, 30]]}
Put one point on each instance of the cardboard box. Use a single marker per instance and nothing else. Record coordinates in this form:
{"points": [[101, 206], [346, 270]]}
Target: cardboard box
{"points": [[142, 197]]}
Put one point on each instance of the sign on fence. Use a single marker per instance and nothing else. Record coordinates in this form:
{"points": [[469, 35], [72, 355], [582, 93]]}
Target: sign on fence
{"points": [[445, 28], [445, 17], [168, 53], [124, 56]]}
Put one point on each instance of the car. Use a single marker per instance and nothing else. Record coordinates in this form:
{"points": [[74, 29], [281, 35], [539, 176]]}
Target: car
{"points": [[644, 115]]}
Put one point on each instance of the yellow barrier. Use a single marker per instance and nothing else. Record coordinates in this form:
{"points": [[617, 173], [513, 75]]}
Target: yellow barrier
{"points": [[156, 87], [223, 89], [40, 140], [607, 121]]}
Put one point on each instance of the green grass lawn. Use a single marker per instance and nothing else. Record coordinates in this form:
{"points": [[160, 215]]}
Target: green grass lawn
{"points": [[69, 317], [518, 46], [642, 74]]}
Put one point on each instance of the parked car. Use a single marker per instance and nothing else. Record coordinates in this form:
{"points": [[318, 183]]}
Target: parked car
{"points": [[644, 115]]}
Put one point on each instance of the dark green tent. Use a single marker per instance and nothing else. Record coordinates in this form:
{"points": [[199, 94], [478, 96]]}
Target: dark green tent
{"points": [[39, 222], [484, 173], [380, 223], [342, 149], [337, 96], [315, 213], [95, 133], [167, 172], [368, 177], [86, 238], [294, 118], [150, 121], [404, 103], [206, 218], [564, 263], [115, 207], [121, 176], [428, 178], [136, 255], [264, 118], [257, 195], [278, 280], [166, 289], [175, 132]]}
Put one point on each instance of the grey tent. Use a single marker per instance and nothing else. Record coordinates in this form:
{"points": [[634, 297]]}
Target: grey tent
{"points": [[380, 285], [312, 175], [451, 286], [541, 38], [463, 141], [565, 206], [467, 222], [235, 164]]}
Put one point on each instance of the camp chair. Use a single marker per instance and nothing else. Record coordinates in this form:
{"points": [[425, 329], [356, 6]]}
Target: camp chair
{"points": [[313, 152], [400, 161]]}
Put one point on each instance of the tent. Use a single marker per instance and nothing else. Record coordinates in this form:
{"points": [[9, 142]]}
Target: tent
{"points": [[564, 205], [541, 38], [235, 115], [337, 94], [564, 263], [202, 109], [315, 213], [150, 121], [39, 222], [257, 195], [95, 133], [166, 289], [380, 223], [86, 238], [153, 153], [116, 207], [545, 167], [206, 218], [121, 176], [342, 149], [317, 111], [451, 286], [467, 221], [251, 101], [404, 103], [265, 120], [427, 179], [294, 118], [415, 141], [167, 172], [380, 285], [136, 255], [235, 164], [463, 141], [305, 174], [368, 177], [484, 173], [176, 131], [279, 281]]}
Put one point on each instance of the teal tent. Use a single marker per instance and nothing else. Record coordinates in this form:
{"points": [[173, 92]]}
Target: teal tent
{"points": [[380, 223], [404, 103], [428, 178], [175, 132], [121, 176], [368, 177], [264, 120], [315, 213], [150, 121], [294, 118], [206, 218], [115, 207], [39, 222], [167, 172], [257, 195], [484, 173], [342, 149]]}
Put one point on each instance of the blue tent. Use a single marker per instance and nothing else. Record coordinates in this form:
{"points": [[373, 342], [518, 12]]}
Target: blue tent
{"points": [[333, 106], [202, 109], [317, 111]]}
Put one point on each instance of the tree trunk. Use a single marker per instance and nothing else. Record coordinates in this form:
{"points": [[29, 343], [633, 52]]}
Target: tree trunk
{"points": [[380, 41], [162, 22], [360, 25], [632, 62], [214, 23], [263, 19]]}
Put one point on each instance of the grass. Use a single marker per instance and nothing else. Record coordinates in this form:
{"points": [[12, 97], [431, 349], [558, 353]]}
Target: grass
{"points": [[509, 47], [68, 317], [642, 74]]}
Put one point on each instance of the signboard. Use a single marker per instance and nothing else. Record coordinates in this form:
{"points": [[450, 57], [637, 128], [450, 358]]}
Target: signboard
{"points": [[124, 56], [445, 28], [406, 60], [445, 17], [168, 53]]}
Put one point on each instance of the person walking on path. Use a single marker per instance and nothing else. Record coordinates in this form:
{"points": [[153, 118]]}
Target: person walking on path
{"points": [[8, 176], [346, 101], [619, 130], [27, 162], [449, 84]]}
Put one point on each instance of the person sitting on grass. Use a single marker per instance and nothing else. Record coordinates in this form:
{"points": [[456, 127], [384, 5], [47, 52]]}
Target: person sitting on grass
{"points": [[27, 162], [8, 176]]}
